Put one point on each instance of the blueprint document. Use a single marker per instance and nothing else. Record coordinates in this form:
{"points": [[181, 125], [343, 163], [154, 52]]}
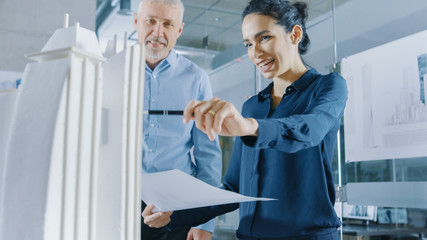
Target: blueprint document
{"points": [[175, 190]]}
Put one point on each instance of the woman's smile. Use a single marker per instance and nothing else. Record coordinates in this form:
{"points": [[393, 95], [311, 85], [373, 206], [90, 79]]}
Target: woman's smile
{"points": [[265, 65]]}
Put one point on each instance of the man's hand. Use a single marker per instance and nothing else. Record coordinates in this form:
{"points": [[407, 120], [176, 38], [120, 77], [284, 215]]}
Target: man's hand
{"points": [[155, 220], [198, 234]]}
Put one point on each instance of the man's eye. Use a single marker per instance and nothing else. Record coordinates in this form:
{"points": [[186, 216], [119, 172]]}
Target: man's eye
{"points": [[247, 45]]}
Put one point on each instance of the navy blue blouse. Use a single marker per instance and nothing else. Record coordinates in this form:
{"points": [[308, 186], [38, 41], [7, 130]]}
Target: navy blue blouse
{"points": [[290, 160]]}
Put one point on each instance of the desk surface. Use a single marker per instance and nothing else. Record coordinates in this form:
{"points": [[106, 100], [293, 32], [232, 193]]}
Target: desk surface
{"points": [[381, 230]]}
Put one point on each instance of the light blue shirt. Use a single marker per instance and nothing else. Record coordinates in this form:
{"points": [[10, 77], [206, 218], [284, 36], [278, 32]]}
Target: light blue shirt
{"points": [[168, 142]]}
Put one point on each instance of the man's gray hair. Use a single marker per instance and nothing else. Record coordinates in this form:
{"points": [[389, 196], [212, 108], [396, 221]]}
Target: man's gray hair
{"points": [[168, 2]]}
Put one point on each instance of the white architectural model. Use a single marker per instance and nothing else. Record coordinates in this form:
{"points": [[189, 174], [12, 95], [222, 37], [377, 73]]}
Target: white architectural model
{"points": [[122, 139], [60, 180]]}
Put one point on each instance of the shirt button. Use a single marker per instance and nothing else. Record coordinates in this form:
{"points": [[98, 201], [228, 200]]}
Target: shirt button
{"points": [[153, 100], [272, 143], [154, 76], [152, 125], [151, 150]]}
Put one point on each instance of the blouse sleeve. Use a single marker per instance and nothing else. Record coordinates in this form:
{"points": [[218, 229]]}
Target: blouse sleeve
{"points": [[305, 130]]}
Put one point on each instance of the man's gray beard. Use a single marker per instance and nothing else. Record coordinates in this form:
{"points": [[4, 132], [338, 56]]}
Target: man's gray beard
{"points": [[156, 54]]}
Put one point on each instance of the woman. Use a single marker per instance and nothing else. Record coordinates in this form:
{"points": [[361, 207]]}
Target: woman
{"points": [[287, 135]]}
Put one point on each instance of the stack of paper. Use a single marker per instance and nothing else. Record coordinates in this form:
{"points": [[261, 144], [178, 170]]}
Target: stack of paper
{"points": [[174, 190]]}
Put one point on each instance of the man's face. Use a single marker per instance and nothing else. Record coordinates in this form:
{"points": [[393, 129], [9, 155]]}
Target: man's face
{"points": [[158, 26]]}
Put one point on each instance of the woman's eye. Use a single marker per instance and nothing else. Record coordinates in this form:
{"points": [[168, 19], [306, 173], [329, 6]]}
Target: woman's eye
{"points": [[263, 38]]}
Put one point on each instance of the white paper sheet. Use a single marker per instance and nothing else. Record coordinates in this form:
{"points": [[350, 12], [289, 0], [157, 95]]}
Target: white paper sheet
{"points": [[175, 190]]}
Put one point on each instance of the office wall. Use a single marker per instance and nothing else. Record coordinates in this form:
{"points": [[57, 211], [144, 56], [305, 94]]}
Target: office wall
{"points": [[361, 25], [25, 25]]}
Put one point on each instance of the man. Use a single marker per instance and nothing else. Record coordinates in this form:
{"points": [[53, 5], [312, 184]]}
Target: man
{"points": [[171, 81]]}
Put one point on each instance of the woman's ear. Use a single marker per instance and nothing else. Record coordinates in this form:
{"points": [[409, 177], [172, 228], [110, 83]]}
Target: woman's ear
{"points": [[296, 34]]}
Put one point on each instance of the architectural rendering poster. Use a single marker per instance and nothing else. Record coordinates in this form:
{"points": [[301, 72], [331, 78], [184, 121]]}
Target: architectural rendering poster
{"points": [[386, 112]]}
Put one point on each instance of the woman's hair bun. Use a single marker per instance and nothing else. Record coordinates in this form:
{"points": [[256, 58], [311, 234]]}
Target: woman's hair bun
{"points": [[302, 10]]}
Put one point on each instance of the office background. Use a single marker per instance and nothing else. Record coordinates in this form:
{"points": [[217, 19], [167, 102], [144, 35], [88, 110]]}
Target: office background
{"points": [[212, 39]]}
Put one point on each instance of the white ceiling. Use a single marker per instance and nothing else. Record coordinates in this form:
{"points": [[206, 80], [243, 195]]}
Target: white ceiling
{"points": [[218, 20], [360, 25]]}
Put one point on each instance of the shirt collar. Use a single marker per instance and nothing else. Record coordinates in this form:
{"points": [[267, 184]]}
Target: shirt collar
{"points": [[265, 93], [299, 84], [170, 60], [305, 79]]}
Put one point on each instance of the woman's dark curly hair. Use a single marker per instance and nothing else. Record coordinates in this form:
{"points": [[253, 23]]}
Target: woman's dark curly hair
{"points": [[286, 14]]}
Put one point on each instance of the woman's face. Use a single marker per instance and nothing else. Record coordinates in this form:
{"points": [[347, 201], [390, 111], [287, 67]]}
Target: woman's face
{"points": [[270, 48]]}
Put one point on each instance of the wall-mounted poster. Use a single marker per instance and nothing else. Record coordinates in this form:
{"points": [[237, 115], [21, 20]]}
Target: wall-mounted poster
{"points": [[392, 215], [386, 112], [360, 212]]}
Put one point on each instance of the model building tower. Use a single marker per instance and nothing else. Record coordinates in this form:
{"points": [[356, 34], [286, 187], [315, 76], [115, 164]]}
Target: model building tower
{"points": [[121, 145], [54, 177]]}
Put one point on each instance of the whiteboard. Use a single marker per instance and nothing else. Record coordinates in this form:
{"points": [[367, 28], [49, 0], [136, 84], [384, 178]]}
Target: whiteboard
{"points": [[386, 112]]}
